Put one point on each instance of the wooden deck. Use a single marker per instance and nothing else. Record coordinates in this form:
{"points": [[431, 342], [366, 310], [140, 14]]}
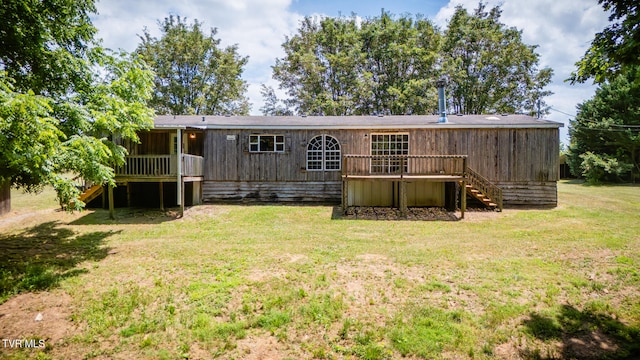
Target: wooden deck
{"points": [[160, 168], [403, 169], [438, 178]]}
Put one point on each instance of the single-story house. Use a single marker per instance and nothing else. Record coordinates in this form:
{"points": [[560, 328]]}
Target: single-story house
{"points": [[354, 160]]}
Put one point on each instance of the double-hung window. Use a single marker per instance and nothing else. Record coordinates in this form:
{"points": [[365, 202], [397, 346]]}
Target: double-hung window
{"points": [[266, 143]]}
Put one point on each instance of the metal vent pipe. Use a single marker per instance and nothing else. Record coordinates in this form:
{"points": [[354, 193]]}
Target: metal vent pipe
{"points": [[442, 103]]}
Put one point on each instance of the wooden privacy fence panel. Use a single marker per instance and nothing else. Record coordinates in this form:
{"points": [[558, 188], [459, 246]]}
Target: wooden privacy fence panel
{"points": [[410, 165]]}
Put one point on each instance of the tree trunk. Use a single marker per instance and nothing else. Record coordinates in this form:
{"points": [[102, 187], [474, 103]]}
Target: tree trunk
{"points": [[5, 198]]}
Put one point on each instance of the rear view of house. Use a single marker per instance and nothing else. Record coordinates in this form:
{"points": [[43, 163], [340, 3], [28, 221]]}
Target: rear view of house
{"points": [[357, 160]]}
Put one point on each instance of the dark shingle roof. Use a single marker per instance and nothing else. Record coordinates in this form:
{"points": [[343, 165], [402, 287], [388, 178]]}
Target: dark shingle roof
{"points": [[351, 122]]}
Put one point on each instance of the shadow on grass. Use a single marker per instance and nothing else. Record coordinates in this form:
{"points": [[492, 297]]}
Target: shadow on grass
{"points": [[39, 257], [599, 184], [128, 216], [583, 334]]}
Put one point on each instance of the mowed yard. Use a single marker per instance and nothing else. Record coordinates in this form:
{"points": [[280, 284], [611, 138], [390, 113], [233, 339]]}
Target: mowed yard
{"points": [[299, 282]]}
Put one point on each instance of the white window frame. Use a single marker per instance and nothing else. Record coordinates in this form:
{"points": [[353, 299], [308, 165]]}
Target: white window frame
{"points": [[255, 143], [388, 146], [323, 155]]}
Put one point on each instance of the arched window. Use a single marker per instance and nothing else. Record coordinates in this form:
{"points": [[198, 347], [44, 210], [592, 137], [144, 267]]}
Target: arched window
{"points": [[323, 153]]}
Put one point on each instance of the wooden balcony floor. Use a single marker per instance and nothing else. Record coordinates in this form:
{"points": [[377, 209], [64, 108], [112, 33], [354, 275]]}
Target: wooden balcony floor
{"points": [[150, 178], [397, 177]]}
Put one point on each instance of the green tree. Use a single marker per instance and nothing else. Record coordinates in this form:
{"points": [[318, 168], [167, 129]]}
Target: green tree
{"points": [[488, 66], [605, 135], [387, 64], [193, 74], [337, 66], [321, 68], [399, 63], [272, 105], [64, 102], [44, 44], [615, 47]]}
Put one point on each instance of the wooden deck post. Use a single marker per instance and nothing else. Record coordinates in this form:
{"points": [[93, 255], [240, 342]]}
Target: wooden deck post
{"points": [[403, 198], [179, 169], [403, 188], [128, 195], [463, 189], [345, 185], [181, 185], [345, 195], [161, 193], [112, 214]]}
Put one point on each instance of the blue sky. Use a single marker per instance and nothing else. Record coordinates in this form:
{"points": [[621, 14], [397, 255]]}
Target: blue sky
{"points": [[562, 29], [428, 8]]}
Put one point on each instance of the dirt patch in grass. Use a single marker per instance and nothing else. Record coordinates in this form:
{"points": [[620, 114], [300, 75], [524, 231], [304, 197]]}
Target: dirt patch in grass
{"points": [[590, 345], [16, 217], [52, 309], [367, 284], [206, 210], [260, 347]]}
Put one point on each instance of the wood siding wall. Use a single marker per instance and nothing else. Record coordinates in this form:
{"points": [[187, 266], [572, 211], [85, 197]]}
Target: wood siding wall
{"points": [[523, 161], [529, 193], [253, 191]]}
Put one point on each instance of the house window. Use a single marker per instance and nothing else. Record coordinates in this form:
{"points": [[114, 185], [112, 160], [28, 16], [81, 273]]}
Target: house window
{"points": [[266, 143], [385, 145], [323, 153]]}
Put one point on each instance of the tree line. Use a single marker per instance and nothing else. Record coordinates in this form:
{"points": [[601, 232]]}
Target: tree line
{"points": [[605, 133], [389, 65], [354, 66]]}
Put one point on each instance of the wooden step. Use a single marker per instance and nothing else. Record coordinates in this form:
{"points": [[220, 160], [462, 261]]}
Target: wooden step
{"points": [[91, 193]]}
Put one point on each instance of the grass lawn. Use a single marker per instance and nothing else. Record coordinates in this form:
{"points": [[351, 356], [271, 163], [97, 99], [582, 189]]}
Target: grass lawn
{"points": [[293, 282], [22, 202]]}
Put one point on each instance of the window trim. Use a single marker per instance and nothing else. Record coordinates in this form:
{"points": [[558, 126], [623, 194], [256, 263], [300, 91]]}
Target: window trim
{"points": [[323, 154], [275, 143]]}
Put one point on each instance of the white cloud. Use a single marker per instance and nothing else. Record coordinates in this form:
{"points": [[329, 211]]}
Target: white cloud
{"points": [[563, 31], [257, 26]]}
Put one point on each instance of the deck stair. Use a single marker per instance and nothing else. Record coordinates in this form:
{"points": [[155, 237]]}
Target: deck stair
{"points": [[91, 193], [483, 190]]}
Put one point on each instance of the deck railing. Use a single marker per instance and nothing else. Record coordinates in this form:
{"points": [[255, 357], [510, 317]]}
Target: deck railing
{"points": [[485, 186], [160, 166], [409, 165], [192, 165]]}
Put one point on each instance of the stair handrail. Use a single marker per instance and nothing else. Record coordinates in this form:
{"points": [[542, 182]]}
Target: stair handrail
{"points": [[81, 183], [491, 190]]}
